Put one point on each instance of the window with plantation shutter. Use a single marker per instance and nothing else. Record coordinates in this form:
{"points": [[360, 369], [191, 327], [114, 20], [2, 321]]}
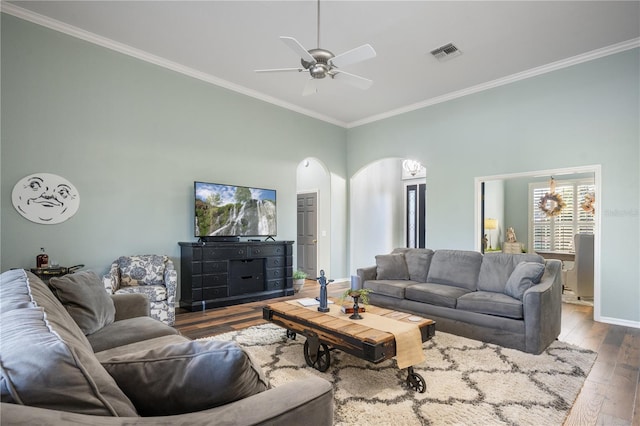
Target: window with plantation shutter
{"points": [[555, 233]]}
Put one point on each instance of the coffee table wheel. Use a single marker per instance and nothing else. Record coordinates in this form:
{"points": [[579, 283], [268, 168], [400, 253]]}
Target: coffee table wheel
{"points": [[416, 381], [291, 334], [321, 360]]}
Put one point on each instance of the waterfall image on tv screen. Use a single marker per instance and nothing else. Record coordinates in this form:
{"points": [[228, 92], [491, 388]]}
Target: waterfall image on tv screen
{"points": [[229, 210]]}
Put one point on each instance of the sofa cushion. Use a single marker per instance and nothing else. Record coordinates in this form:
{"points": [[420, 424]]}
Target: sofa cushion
{"points": [[455, 267], [525, 275], [487, 302], [155, 293], [497, 268], [418, 262], [393, 288], [435, 294], [42, 369], [141, 270], [186, 377], [84, 297], [143, 345], [128, 331], [391, 267]]}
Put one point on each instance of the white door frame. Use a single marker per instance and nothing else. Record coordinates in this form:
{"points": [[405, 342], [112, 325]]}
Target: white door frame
{"points": [[596, 169]]}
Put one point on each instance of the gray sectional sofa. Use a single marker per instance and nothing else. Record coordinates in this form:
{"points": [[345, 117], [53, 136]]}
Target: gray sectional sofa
{"points": [[72, 354], [513, 300]]}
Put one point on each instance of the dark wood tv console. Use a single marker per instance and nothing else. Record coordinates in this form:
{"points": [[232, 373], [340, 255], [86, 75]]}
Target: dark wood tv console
{"points": [[216, 274]]}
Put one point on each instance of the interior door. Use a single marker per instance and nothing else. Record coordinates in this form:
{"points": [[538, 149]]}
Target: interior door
{"points": [[307, 240]]}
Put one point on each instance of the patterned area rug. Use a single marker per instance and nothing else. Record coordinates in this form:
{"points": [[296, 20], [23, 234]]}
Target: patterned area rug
{"points": [[468, 382]]}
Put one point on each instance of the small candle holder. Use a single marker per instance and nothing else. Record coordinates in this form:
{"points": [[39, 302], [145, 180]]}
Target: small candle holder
{"points": [[356, 309], [358, 295]]}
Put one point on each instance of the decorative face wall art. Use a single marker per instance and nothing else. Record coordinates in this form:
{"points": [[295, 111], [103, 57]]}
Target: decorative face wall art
{"points": [[45, 198]]}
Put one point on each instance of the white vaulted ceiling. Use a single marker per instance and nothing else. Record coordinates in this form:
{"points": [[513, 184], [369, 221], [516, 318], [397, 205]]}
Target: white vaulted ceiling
{"points": [[223, 42]]}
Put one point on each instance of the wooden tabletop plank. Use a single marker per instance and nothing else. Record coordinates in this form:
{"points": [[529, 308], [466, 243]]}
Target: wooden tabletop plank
{"points": [[353, 329]]}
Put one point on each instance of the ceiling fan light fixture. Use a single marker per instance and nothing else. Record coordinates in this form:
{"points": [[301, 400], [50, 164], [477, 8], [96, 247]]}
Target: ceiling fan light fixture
{"points": [[321, 62]]}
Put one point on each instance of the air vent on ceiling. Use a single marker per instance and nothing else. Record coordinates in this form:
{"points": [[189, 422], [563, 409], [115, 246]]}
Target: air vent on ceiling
{"points": [[446, 52]]}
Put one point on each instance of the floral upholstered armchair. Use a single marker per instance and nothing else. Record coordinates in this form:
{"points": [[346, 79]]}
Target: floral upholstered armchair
{"points": [[153, 275]]}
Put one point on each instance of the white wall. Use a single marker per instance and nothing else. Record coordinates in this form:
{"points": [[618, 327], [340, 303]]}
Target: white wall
{"points": [[339, 229], [376, 212]]}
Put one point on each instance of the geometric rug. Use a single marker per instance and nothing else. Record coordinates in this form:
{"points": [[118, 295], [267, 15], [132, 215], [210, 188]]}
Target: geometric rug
{"points": [[467, 382]]}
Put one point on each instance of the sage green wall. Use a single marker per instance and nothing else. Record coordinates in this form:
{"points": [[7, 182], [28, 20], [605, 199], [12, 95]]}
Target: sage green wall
{"points": [[582, 115], [132, 137]]}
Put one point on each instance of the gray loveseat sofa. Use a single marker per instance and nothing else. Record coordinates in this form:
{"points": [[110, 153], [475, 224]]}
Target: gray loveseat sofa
{"points": [[513, 300], [72, 354]]}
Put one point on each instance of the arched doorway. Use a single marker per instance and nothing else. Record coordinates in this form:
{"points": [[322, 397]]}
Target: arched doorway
{"points": [[313, 213]]}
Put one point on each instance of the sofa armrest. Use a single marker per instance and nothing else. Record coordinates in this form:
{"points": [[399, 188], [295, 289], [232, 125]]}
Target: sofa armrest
{"points": [[130, 305], [170, 282], [367, 273], [542, 306], [308, 400]]}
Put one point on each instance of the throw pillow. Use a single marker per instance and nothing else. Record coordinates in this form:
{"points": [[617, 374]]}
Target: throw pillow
{"points": [[187, 377], [84, 297], [525, 275], [391, 267], [42, 368]]}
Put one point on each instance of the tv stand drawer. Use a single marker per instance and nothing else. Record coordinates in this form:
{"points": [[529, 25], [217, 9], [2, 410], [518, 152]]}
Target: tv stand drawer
{"points": [[231, 251]]}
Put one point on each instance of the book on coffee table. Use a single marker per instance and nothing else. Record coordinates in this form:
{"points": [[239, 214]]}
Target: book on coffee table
{"points": [[310, 301], [349, 309]]}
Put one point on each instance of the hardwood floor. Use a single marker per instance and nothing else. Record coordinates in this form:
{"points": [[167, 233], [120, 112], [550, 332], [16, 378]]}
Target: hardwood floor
{"points": [[611, 393]]}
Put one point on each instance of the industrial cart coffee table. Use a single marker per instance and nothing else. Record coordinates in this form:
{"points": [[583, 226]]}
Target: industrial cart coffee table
{"points": [[325, 332]]}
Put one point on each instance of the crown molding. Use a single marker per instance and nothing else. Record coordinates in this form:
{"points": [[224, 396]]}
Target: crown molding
{"points": [[62, 27], [79, 33], [554, 66]]}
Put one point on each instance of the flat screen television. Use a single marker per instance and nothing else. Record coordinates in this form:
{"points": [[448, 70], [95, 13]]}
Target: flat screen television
{"points": [[237, 211]]}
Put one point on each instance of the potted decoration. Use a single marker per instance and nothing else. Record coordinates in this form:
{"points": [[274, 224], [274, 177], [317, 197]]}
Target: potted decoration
{"points": [[298, 280], [361, 294]]}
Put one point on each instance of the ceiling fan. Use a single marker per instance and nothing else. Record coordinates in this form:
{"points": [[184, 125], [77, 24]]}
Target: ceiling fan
{"points": [[321, 63]]}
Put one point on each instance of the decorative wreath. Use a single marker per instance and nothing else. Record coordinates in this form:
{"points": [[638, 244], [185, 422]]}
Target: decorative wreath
{"points": [[587, 204], [557, 208]]}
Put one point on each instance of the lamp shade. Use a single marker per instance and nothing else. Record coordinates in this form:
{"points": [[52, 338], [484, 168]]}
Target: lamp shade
{"points": [[490, 223]]}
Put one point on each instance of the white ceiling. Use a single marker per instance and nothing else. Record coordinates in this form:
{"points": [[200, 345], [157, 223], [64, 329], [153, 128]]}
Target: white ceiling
{"points": [[223, 42]]}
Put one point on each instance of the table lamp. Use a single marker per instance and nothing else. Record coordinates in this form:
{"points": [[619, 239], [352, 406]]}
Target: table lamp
{"points": [[490, 224]]}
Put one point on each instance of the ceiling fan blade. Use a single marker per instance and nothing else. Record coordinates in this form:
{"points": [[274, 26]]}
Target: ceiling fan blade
{"points": [[281, 69], [353, 56], [310, 88], [298, 48], [354, 80]]}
